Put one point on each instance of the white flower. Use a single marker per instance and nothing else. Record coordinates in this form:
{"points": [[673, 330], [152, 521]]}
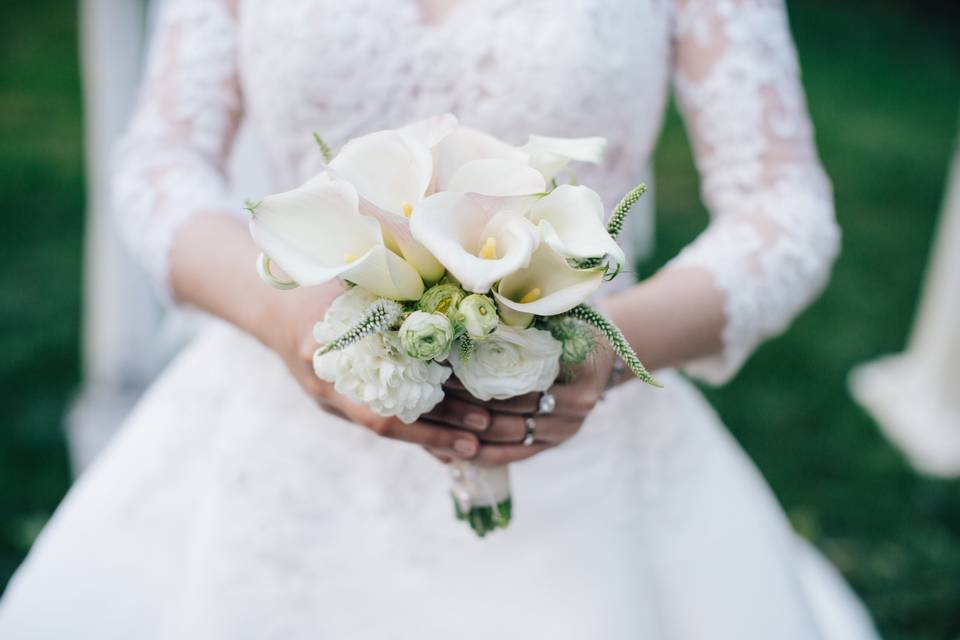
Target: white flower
{"points": [[570, 219], [478, 239], [316, 233], [548, 286], [426, 336], [478, 313], [510, 362], [550, 156], [376, 371]]}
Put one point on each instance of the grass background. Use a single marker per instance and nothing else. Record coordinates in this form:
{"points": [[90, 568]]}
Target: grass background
{"points": [[883, 81]]}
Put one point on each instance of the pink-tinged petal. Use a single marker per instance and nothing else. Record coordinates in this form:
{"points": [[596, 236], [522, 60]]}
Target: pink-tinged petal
{"points": [[387, 167], [397, 235]]}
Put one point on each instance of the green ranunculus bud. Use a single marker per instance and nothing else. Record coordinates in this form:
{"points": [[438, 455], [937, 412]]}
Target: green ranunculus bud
{"points": [[426, 336], [577, 338], [441, 298], [478, 315]]}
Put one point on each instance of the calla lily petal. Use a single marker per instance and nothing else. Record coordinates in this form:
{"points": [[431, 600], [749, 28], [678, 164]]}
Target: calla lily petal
{"points": [[315, 233], [388, 168], [571, 221], [548, 286], [397, 234], [465, 145], [309, 230], [457, 228], [431, 131], [497, 177], [384, 273], [550, 155]]}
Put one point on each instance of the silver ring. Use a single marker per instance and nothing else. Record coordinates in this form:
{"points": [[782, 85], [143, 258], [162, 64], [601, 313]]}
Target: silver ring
{"points": [[546, 404], [530, 436]]}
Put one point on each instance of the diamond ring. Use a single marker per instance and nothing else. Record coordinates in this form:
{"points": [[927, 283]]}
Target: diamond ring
{"points": [[546, 404], [530, 436]]}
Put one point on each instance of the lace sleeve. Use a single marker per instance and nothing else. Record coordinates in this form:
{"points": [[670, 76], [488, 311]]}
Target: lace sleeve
{"points": [[171, 162], [772, 237]]}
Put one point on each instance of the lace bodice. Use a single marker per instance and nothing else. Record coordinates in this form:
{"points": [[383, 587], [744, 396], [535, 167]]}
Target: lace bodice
{"points": [[600, 67]]}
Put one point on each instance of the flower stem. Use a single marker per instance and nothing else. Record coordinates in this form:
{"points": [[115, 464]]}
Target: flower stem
{"points": [[621, 347]]}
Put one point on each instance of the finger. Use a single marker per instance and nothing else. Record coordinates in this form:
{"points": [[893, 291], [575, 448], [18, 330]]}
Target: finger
{"points": [[494, 454], [439, 455], [505, 428], [453, 442], [458, 412], [525, 404]]}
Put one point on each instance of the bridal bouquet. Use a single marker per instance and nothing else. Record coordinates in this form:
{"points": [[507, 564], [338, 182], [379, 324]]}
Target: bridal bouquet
{"points": [[464, 255]]}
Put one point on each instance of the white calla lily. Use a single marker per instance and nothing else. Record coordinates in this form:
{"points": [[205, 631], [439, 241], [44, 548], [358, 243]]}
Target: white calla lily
{"points": [[315, 233], [548, 286], [478, 239], [431, 131], [571, 221], [497, 177], [388, 168], [393, 171], [551, 155], [465, 145]]}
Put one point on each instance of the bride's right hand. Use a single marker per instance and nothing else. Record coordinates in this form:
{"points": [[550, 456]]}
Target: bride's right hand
{"points": [[287, 328]]}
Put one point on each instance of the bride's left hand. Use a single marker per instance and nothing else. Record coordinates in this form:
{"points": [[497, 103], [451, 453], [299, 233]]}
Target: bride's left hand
{"points": [[502, 439]]}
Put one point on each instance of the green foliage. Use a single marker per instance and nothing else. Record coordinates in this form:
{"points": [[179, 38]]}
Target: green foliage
{"points": [[379, 316], [325, 149], [589, 315]]}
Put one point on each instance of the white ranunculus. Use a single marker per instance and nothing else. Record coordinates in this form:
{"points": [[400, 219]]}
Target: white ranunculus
{"points": [[510, 362], [550, 156], [316, 233], [571, 221], [548, 286], [426, 336], [478, 314], [376, 371], [478, 239]]}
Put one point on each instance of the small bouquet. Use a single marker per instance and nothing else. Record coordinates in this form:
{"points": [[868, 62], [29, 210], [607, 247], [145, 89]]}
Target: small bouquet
{"points": [[464, 255]]}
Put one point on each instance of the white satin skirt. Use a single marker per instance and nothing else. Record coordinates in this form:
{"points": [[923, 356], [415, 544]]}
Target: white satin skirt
{"points": [[230, 506]]}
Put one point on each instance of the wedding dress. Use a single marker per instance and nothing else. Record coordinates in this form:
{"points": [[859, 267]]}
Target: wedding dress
{"points": [[229, 506]]}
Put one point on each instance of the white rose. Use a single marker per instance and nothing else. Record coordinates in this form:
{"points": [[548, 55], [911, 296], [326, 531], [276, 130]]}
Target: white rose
{"points": [[510, 362]]}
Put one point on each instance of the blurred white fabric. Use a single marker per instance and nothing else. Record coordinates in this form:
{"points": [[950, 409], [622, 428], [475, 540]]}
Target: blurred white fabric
{"points": [[915, 395], [228, 506], [128, 334]]}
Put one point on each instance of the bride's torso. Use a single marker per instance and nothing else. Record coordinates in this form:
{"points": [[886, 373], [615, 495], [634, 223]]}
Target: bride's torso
{"points": [[347, 67]]}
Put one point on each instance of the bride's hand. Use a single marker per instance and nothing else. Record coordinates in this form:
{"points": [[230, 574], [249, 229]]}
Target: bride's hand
{"points": [[288, 330], [502, 440]]}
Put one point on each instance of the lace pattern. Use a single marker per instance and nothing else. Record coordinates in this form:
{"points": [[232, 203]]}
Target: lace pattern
{"points": [[773, 236], [599, 67]]}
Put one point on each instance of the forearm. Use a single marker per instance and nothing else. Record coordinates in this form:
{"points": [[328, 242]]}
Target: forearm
{"points": [[672, 318]]}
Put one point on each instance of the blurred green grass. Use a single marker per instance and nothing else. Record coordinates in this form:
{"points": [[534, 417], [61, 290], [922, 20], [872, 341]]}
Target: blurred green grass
{"points": [[883, 83]]}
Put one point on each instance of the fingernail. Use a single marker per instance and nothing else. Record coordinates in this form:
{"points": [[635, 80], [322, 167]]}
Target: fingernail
{"points": [[465, 447], [475, 420]]}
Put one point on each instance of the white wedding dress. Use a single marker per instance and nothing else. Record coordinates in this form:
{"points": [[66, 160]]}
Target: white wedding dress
{"points": [[229, 506]]}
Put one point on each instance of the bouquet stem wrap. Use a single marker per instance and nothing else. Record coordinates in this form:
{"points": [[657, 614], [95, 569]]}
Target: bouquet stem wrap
{"points": [[481, 495]]}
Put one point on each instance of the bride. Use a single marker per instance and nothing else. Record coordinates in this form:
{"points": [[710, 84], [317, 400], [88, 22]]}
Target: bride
{"points": [[231, 506]]}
